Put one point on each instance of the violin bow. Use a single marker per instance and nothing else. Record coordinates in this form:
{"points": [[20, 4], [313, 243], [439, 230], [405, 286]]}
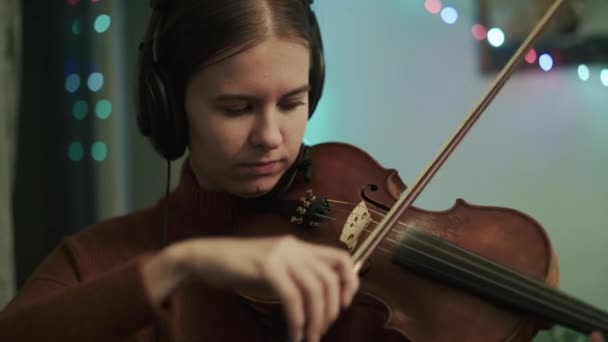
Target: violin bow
{"points": [[409, 195]]}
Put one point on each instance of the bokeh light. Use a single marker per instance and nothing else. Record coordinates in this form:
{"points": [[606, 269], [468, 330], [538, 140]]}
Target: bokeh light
{"points": [[531, 56], [496, 37], [72, 83], [103, 109], [80, 109], [95, 81], [583, 72], [545, 61], [102, 23], [433, 6], [75, 151], [604, 77], [99, 151], [76, 26], [449, 15], [479, 32]]}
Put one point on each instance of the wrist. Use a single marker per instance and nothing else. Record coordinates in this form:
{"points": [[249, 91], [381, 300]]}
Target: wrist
{"points": [[164, 273]]}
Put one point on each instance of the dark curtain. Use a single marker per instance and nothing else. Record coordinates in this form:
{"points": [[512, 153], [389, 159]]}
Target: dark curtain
{"points": [[53, 195]]}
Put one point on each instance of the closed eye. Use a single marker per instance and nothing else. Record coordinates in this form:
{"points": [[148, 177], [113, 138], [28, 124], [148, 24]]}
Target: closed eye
{"points": [[238, 109], [290, 106]]}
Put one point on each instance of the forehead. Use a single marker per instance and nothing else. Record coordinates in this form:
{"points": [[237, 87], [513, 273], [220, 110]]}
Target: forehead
{"points": [[274, 64]]}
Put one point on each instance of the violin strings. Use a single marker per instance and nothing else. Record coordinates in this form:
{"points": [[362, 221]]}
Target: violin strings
{"points": [[365, 230], [517, 282], [550, 298], [326, 217], [520, 284], [531, 290], [476, 277], [372, 210]]}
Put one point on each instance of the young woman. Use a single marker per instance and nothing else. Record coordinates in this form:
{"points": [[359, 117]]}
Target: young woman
{"points": [[234, 83]]}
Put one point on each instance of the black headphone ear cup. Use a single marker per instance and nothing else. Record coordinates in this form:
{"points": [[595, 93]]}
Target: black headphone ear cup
{"points": [[144, 99], [317, 79], [317, 71], [158, 108], [159, 119]]}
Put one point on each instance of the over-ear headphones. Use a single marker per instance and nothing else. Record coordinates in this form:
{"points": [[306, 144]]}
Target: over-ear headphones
{"points": [[160, 117]]}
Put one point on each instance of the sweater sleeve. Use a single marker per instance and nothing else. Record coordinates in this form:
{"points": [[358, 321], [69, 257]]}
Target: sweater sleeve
{"points": [[55, 305]]}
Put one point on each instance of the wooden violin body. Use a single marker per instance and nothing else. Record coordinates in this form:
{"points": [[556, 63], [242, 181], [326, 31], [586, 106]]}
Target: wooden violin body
{"points": [[399, 304]]}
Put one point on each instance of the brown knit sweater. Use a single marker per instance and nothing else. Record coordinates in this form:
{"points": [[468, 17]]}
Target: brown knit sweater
{"points": [[90, 287]]}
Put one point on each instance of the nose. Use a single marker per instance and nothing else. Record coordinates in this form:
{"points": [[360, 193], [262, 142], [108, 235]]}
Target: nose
{"points": [[266, 132]]}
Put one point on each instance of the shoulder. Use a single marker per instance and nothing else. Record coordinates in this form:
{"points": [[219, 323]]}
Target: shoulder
{"points": [[127, 226], [117, 239]]}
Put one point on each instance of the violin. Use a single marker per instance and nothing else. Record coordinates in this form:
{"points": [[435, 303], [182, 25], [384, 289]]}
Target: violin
{"points": [[469, 273]]}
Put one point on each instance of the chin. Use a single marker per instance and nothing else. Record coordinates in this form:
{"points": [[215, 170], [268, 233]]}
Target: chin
{"points": [[256, 188], [252, 193]]}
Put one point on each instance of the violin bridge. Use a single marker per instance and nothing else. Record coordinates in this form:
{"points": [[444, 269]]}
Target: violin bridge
{"points": [[356, 223]]}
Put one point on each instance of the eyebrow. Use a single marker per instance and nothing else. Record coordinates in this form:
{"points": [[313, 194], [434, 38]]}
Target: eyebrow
{"points": [[232, 97]]}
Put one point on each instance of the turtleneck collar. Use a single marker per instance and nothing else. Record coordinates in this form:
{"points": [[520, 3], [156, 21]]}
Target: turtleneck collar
{"points": [[199, 206], [213, 212]]}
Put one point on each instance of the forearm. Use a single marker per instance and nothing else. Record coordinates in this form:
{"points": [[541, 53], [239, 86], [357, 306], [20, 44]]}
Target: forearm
{"points": [[210, 261]]}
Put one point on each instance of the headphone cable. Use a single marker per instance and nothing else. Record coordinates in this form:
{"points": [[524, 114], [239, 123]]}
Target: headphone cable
{"points": [[165, 228], [167, 192]]}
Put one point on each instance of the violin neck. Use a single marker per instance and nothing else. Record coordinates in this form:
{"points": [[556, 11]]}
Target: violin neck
{"points": [[424, 253]]}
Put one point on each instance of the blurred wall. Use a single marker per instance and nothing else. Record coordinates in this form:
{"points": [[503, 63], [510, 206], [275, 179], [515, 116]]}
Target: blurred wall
{"points": [[10, 61]]}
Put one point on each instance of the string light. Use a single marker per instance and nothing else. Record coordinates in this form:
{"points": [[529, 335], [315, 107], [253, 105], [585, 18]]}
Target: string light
{"points": [[545, 61], [99, 151], [449, 15], [75, 151], [72, 83], [102, 23], [496, 37], [479, 32], [583, 72], [80, 109], [531, 56], [433, 6], [103, 109], [76, 26], [604, 77], [95, 81]]}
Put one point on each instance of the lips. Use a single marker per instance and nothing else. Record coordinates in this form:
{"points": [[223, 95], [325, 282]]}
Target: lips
{"points": [[261, 168]]}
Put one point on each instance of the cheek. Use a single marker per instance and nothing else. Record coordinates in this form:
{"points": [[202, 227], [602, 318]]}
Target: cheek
{"points": [[203, 141], [296, 130], [221, 139], [301, 123]]}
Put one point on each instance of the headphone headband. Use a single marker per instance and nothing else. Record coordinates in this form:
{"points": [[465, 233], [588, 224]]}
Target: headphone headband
{"points": [[160, 4]]}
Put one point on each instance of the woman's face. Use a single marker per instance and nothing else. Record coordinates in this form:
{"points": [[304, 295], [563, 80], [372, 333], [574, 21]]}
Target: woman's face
{"points": [[247, 115]]}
